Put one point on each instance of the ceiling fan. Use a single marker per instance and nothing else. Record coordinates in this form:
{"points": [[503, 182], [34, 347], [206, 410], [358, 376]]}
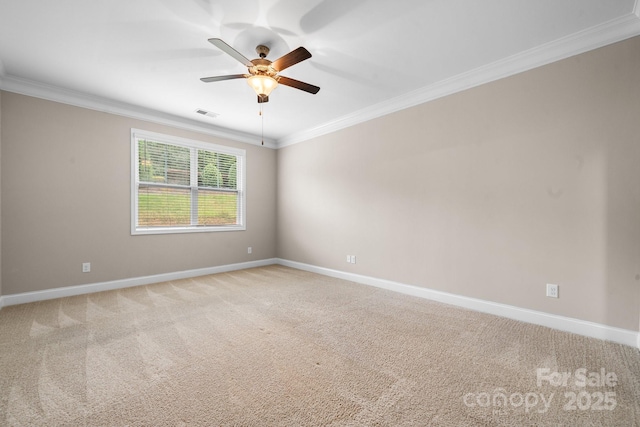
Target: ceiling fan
{"points": [[263, 74]]}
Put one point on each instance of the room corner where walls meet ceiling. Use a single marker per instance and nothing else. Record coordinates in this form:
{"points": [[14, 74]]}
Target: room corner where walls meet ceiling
{"points": [[144, 60]]}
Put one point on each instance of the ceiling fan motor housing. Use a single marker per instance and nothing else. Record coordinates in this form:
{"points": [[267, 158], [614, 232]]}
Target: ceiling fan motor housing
{"points": [[262, 67]]}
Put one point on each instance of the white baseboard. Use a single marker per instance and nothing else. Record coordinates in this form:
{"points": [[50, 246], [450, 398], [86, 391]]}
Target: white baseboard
{"points": [[567, 324], [69, 291], [577, 326]]}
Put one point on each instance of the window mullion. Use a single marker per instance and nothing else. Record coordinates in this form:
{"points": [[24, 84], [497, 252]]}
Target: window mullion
{"points": [[194, 186], [239, 186]]}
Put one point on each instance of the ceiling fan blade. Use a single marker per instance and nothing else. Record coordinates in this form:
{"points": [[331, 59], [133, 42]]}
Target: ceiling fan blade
{"points": [[220, 78], [262, 99], [298, 84], [231, 51], [291, 58]]}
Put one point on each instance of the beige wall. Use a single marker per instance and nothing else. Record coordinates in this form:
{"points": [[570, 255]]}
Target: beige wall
{"points": [[490, 193], [0, 194], [66, 200]]}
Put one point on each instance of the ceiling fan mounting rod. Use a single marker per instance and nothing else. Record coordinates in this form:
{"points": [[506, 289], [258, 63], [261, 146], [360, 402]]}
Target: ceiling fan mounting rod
{"points": [[262, 50]]}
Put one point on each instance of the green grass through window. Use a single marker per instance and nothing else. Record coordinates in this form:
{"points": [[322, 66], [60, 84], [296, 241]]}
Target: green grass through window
{"points": [[161, 209]]}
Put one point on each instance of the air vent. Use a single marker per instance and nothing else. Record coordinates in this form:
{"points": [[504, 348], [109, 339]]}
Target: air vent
{"points": [[207, 113]]}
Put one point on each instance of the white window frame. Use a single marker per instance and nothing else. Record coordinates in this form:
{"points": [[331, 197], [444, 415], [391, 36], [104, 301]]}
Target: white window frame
{"points": [[138, 134]]}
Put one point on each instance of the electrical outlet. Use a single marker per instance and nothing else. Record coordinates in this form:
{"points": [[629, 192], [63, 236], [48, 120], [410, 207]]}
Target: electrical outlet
{"points": [[552, 290], [249, 250], [353, 259], [86, 267], [349, 258]]}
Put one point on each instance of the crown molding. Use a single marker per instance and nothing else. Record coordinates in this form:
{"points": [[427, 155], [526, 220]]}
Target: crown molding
{"points": [[52, 93], [595, 37], [583, 41]]}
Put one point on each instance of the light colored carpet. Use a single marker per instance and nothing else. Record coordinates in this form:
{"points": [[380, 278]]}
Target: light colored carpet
{"points": [[275, 346]]}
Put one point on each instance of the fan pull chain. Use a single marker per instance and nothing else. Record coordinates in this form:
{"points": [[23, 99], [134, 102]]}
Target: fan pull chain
{"points": [[262, 123]]}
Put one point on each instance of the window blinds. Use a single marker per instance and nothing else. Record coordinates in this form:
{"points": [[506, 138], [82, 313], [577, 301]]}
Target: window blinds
{"points": [[182, 186]]}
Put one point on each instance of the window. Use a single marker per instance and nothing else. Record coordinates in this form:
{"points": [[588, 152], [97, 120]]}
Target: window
{"points": [[182, 186]]}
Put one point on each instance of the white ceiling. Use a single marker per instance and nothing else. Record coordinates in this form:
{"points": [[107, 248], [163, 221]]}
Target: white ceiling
{"points": [[144, 58]]}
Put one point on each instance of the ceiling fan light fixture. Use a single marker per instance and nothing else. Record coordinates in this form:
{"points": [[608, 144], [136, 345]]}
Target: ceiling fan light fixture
{"points": [[263, 85], [264, 74]]}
